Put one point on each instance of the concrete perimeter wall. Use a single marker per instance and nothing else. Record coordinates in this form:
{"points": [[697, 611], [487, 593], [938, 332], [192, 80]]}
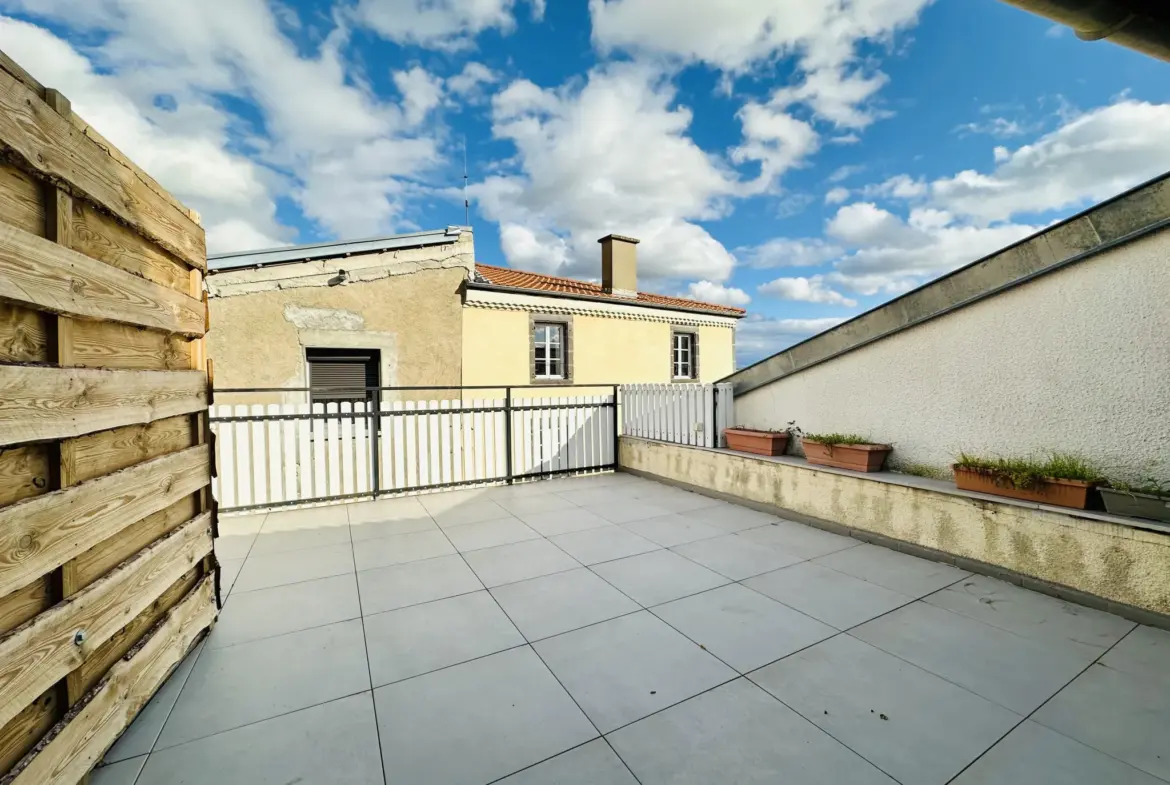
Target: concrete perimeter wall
{"points": [[1075, 359], [1085, 553]]}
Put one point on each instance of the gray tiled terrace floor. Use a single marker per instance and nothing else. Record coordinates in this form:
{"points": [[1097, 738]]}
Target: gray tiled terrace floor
{"points": [[608, 629]]}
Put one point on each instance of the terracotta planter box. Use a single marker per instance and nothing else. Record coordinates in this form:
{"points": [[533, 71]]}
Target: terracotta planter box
{"points": [[858, 457], [1136, 505], [1062, 493], [757, 442]]}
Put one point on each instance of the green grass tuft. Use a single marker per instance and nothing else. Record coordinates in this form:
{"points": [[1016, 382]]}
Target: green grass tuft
{"points": [[922, 470], [836, 438], [1026, 473]]}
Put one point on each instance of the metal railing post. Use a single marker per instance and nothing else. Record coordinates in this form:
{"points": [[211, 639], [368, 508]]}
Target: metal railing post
{"points": [[615, 426], [508, 432], [375, 444]]}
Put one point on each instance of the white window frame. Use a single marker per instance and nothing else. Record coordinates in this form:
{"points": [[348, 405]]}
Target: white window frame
{"points": [[682, 355], [551, 328]]}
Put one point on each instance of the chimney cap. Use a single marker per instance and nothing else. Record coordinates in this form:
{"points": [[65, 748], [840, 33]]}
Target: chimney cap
{"points": [[621, 237]]}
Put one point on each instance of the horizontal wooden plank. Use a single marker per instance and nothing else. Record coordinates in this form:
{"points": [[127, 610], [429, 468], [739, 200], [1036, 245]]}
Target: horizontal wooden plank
{"points": [[114, 346], [40, 403], [76, 743], [41, 274], [27, 728], [50, 145], [24, 472], [37, 655], [101, 237], [109, 553], [99, 663], [24, 604], [24, 334], [21, 203], [39, 535], [95, 454]]}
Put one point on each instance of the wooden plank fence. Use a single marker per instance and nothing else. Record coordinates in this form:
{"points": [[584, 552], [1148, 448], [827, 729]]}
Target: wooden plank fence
{"points": [[107, 577], [694, 414], [277, 454]]}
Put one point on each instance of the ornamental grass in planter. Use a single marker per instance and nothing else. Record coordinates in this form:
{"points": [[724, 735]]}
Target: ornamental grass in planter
{"points": [[1063, 480], [758, 442], [844, 451], [1149, 499]]}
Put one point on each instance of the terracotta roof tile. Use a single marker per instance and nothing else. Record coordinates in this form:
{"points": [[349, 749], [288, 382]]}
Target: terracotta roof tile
{"points": [[518, 279]]}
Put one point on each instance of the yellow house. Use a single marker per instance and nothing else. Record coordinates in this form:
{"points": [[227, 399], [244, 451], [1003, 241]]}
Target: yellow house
{"points": [[522, 328]]}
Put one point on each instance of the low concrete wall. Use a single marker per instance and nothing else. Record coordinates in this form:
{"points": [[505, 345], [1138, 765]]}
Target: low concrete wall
{"points": [[1115, 562]]}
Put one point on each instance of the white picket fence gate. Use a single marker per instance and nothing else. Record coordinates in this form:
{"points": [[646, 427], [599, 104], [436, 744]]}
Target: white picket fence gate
{"points": [[693, 414], [279, 454]]}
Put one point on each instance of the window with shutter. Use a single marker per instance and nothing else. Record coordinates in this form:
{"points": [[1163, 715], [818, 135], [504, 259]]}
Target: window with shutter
{"points": [[341, 374]]}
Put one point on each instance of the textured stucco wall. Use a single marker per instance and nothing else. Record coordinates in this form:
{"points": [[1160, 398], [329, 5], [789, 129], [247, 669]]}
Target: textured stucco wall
{"points": [[1111, 561], [605, 350], [1078, 360]]}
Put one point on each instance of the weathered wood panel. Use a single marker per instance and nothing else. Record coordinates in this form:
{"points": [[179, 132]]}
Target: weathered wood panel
{"points": [[111, 552], [23, 733], [38, 403], [108, 451], [24, 472], [20, 199], [24, 604], [39, 535], [50, 145], [24, 334], [98, 235], [77, 743], [42, 652], [121, 346], [39, 273]]}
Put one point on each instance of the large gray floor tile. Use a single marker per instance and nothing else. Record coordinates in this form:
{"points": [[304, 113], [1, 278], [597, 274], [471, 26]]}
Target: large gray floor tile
{"points": [[670, 530], [373, 530], [489, 534], [229, 570], [1017, 673], [476, 722], [676, 499], [607, 543], [403, 508], [574, 519], [470, 512], [734, 557], [234, 546], [140, 737], [913, 725], [807, 542], [389, 588], [626, 668], [298, 606], [121, 773], [731, 517], [743, 628], [590, 764], [624, 511], [830, 596], [1029, 613], [422, 638], [324, 517], [738, 734], [1118, 713], [1035, 755], [335, 743], [298, 539], [535, 503], [265, 678], [519, 561], [899, 572], [597, 495], [658, 576], [445, 501], [558, 603], [401, 548], [1143, 653], [279, 569]]}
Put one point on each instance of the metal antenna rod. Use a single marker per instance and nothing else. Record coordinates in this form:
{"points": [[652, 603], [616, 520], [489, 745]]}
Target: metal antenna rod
{"points": [[466, 203]]}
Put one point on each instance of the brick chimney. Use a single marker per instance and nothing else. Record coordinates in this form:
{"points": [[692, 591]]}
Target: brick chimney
{"points": [[619, 265]]}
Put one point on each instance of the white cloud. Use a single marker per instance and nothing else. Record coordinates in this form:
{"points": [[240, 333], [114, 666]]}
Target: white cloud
{"points": [[837, 96], [469, 81], [837, 195], [785, 252], [422, 92], [1089, 158], [611, 154], [439, 24], [776, 139], [807, 290], [899, 186], [842, 173], [709, 292], [346, 156], [999, 127], [758, 336], [850, 138], [1055, 31]]}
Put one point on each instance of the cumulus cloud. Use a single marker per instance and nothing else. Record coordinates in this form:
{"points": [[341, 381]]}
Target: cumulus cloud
{"points": [[471, 80], [758, 336], [421, 91], [439, 24], [807, 290], [777, 140], [786, 252], [999, 127], [709, 292], [837, 195]]}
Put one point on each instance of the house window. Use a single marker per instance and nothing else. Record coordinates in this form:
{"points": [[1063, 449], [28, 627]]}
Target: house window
{"points": [[548, 350], [684, 356], [341, 374]]}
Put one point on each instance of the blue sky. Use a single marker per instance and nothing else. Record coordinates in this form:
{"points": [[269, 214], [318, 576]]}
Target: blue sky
{"points": [[808, 160]]}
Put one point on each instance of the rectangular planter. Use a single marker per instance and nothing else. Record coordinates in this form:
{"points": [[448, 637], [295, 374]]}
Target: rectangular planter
{"points": [[1136, 505], [858, 457], [757, 442], [1062, 493]]}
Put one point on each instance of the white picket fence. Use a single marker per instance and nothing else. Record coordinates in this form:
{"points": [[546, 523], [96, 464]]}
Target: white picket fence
{"points": [[693, 414], [288, 453]]}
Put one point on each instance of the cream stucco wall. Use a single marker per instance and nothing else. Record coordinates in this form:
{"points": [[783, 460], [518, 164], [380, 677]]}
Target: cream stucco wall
{"points": [[1112, 561], [1077, 360]]}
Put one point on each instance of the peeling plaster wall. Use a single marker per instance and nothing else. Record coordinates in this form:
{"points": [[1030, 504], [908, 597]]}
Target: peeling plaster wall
{"points": [[1110, 561], [406, 304]]}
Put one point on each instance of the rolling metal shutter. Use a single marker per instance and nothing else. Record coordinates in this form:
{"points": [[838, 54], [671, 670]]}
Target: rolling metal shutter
{"points": [[339, 377]]}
